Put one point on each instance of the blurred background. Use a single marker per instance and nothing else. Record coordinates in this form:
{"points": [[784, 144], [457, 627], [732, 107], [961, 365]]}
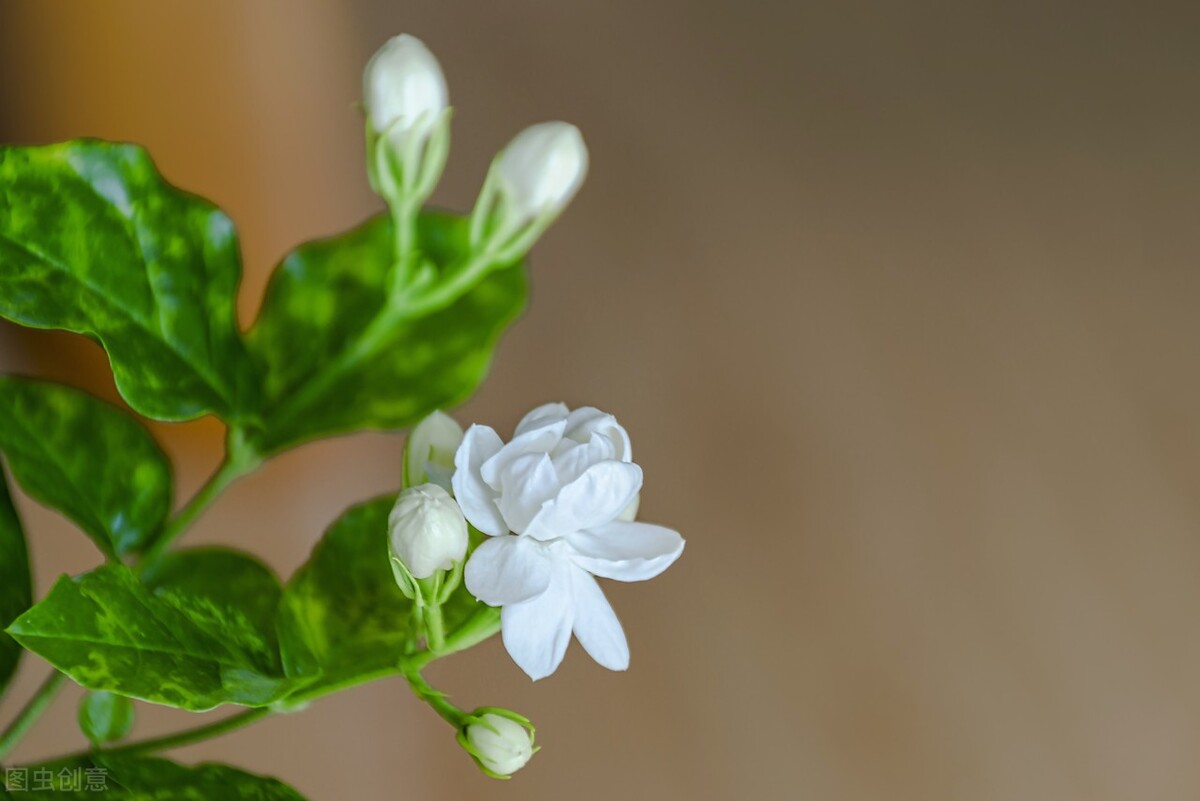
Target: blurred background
{"points": [[898, 301]]}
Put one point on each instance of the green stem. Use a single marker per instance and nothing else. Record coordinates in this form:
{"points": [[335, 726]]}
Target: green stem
{"points": [[461, 280], [176, 740], [404, 233], [379, 333], [239, 460], [479, 627], [435, 698], [31, 712], [188, 736], [474, 630], [435, 628]]}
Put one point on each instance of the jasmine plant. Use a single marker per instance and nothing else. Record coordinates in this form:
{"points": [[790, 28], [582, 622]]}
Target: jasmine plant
{"points": [[376, 328]]}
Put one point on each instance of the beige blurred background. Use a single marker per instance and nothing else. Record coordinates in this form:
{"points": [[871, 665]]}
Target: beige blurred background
{"points": [[898, 301]]}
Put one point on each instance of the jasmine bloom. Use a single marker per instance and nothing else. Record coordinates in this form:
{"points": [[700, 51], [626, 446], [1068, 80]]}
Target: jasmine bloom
{"points": [[551, 502]]}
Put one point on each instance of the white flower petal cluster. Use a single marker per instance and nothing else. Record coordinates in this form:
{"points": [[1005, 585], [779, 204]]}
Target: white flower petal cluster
{"points": [[552, 501]]}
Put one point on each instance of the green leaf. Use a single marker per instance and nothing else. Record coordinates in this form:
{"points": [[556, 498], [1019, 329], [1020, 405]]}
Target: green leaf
{"points": [[116, 777], [91, 461], [105, 717], [194, 636], [93, 240], [342, 614], [16, 585], [315, 319], [225, 591]]}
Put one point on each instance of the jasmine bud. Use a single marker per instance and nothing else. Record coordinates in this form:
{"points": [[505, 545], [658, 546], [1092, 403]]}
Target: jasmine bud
{"points": [[429, 451], [501, 741], [426, 531]]}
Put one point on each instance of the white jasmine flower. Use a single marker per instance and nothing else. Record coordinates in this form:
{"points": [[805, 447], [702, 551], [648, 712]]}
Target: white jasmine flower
{"points": [[403, 88], [429, 451], [427, 531], [552, 501], [501, 745]]}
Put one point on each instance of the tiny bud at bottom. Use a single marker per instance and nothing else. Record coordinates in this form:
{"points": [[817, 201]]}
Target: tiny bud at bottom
{"points": [[502, 746]]}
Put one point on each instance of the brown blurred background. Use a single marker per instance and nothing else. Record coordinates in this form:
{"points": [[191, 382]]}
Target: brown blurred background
{"points": [[898, 301]]}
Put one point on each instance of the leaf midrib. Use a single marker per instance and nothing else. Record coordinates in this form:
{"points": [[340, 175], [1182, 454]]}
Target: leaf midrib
{"points": [[119, 311]]}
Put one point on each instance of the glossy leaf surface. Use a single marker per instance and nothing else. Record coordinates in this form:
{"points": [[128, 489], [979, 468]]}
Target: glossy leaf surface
{"points": [[87, 459], [342, 614], [195, 635], [115, 777], [320, 304], [93, 240], [16, 586]]}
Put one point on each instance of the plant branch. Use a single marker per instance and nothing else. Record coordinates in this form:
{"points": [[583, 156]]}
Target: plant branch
{"points": [[435, 628], [382, 328], [484, 623], [477, 628], [434, 697], [239, 460], [188, 736], [32, 710], [480, 626]]}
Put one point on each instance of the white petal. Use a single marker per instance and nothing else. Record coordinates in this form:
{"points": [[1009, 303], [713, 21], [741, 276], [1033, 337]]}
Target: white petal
{"points": [[536, 632], [595, 498], [585, 421], [403, 83], [507, 570], [477, 499], [629, 513], [571, 459], [539, 440], [541, 416], [541, 169], [525, 486], [626, 551], [596, 624]]}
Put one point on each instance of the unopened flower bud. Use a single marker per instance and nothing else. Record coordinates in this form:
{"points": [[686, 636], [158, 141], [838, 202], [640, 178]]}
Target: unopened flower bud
{"points": [[403, 85], [541, 169], [531, 181], [408, 133], [429, 451], [426, 531], [500, 741]]}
